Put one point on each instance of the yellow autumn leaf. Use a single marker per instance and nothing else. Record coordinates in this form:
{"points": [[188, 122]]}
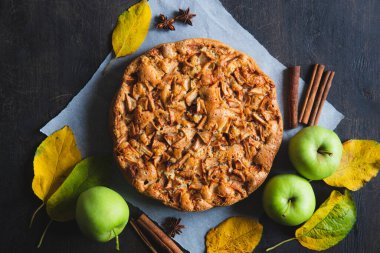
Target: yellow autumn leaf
{"points": [[360, 163], [131, 29], [234, 235], [54, 159]]}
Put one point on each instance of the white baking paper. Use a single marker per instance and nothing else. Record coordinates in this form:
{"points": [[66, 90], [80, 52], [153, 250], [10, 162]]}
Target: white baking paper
{"points": [[87, 113]]}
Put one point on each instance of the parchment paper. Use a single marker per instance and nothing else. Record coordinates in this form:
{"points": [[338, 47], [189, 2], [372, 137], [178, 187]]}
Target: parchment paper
{"points": [[87, 113]]}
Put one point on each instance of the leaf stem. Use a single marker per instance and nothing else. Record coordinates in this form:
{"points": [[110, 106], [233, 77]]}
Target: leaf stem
{"points": [[117, 240], [43, 234], [279, 244], [106, 68], [35, 213]]}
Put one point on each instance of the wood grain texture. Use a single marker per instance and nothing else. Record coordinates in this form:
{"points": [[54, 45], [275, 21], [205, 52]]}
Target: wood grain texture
{"points": [[50, 48]]}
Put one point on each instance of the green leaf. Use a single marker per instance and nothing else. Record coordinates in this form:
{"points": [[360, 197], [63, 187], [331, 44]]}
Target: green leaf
{"points": [[131, 29], [90, 172], [330, 224]]}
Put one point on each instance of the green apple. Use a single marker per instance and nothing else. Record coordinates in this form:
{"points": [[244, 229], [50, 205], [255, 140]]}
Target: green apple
{"points": [[289, 199], [101, 214], [315, 152]]}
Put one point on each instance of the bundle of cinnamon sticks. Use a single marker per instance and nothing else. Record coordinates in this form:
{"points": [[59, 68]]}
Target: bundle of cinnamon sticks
{"points": [[315, 97]]}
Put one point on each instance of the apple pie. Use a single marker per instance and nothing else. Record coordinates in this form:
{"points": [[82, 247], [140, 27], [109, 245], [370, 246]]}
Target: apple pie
{"points": [[195, 124]]}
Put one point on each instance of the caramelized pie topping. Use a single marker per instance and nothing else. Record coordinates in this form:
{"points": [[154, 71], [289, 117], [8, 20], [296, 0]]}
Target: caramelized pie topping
{"points": [[196, 124]]}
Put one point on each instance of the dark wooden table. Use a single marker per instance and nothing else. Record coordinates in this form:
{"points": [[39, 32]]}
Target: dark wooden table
{"points": [[50, 48]]}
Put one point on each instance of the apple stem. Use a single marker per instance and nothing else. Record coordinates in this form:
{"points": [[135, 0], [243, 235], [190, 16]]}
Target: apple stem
{"points": [[324, 152], [43, 234], [117, 240], [35, 213], [279, 244], [287, 208]]}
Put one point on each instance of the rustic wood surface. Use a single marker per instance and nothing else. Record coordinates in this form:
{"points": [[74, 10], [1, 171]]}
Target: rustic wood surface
{"points": [[50, 48]]}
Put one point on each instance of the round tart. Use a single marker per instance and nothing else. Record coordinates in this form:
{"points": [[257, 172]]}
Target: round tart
{"points": [[195, 124]]}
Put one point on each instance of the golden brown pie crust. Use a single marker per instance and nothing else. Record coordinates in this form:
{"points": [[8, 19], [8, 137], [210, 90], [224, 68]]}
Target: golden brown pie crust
{"points": [[195, 124]]}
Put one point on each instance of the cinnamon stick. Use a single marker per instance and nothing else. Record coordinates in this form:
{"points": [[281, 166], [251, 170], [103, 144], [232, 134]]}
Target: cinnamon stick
{"points": [[308, 92], [313, 92], [142, 236], [318, 98], [324, 96], [293, 96], [155, 232]]}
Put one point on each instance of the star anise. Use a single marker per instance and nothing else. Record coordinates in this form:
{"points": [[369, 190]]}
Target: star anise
{"points": [[172, 226], [185, 16], [165, 23]]}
